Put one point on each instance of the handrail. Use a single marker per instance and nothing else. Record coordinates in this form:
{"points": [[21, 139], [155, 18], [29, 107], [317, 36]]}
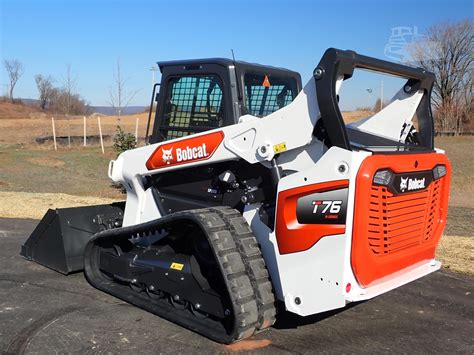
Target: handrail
{"points": [[150, 112]]}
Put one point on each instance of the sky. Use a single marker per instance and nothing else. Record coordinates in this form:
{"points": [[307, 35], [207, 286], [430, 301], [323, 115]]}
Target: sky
{"points": [[90, 36]]}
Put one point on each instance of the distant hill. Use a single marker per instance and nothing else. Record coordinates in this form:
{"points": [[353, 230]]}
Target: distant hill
{"points": [[107, 110], [29, 108]]}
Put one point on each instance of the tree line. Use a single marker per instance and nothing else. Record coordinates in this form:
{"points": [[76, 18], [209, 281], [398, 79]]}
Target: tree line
{"points": [[60, 99], [448, 52], [64, 98]]}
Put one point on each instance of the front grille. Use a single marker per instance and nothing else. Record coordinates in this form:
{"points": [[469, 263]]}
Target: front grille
{"points": [[400, 222]]}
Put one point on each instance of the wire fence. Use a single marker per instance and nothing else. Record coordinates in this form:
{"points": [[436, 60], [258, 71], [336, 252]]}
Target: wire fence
{"points": [[89, 131]]}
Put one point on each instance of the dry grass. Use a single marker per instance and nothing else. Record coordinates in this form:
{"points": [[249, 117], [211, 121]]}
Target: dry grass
{"points": [[457, 253], [24, 124], [25, 131], [353, 116], [18, 111], [460, 151], [34, 205]]}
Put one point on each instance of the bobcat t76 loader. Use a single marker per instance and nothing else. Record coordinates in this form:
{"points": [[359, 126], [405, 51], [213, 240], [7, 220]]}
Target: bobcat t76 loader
{"points": [[253, 190]]}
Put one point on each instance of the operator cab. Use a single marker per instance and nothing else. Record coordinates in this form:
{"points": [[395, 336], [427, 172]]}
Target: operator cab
{"points": [[204, 94]]}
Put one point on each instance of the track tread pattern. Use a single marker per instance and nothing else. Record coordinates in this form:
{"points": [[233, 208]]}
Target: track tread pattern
{"points": [[254, 264], [240, 260]]}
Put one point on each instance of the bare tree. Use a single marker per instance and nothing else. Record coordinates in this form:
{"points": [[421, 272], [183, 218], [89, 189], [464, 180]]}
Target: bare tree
{"points": [[69, 88], [448, 52], [78, 106], [120, 97], [46, 90], [14, 70]]}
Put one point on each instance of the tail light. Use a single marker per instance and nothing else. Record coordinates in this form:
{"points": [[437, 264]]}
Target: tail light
{"points": [[439, 171]]}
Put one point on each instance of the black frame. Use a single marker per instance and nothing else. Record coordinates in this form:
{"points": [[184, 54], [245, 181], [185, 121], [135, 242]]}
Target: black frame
{"points": [[336, 63], [172, 71]]}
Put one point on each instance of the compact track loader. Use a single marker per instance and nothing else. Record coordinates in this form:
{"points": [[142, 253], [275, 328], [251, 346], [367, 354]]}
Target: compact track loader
{"points": [[253, 190]]}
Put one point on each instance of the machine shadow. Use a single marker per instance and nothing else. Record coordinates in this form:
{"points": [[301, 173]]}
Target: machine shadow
{"points": [[288, 320]]}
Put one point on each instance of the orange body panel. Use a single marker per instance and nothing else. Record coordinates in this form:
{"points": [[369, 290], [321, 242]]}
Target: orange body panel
{"points": [[292, 236], [392, 232]]}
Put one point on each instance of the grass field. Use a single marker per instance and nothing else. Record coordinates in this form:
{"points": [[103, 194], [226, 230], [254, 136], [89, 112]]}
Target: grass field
{"points": [[83, 170], [79, 171]]}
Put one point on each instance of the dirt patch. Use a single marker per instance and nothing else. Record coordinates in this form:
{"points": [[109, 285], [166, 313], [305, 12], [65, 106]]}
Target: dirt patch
{"points": [[460, 221], [34, 205], [457, 253], [46, 161]]}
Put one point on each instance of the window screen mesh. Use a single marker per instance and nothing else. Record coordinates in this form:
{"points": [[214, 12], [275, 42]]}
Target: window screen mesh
{"points": [[262, 100], [193, 104]]}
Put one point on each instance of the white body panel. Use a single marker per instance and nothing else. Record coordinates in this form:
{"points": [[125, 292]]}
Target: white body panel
{"points": [[389, 121], [319, 275]]}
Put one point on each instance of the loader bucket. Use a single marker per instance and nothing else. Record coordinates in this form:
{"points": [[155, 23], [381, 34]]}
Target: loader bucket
{"points": [[59, 239]]}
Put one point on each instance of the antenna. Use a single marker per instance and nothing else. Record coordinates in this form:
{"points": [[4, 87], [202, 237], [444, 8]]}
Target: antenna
{"points": [[239, 94]]}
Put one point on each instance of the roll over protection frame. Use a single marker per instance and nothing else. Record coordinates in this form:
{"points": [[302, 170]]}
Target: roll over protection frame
{"points": [[336, 63]]}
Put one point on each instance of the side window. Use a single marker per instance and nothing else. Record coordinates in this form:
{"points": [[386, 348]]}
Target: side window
{"points": [[265, 94], [193, 104]]}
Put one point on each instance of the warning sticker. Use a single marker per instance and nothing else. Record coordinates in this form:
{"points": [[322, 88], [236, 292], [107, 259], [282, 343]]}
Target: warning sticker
{"points": [[266, 82], [177, 266], [279, 148]]}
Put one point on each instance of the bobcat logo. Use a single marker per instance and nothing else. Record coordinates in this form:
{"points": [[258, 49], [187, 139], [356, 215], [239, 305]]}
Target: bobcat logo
{"points": [[403, 184], [167, 155]]}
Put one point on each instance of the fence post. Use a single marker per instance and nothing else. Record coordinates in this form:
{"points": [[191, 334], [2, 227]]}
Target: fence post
{"points": [[85, 135], [100, 134], [136, 131], [68, 132], [54, 133]]}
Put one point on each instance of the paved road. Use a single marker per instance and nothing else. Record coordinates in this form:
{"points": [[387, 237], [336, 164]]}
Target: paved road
{"points": [[43, 312]]}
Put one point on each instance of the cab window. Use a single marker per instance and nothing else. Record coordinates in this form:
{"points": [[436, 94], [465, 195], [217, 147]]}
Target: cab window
{"points": [[265, 94], [193, 104]]}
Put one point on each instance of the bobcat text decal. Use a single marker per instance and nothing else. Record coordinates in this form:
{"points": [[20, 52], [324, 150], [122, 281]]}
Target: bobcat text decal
{"points": [[187, 150], [410, 182]]}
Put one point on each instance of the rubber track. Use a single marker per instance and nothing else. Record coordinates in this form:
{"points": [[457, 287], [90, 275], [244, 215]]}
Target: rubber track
{"points": [[254, 264], [238, 256]]}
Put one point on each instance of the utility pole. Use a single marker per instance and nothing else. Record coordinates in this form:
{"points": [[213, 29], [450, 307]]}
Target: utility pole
{"points": [[153, 70], [381, 95]]}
